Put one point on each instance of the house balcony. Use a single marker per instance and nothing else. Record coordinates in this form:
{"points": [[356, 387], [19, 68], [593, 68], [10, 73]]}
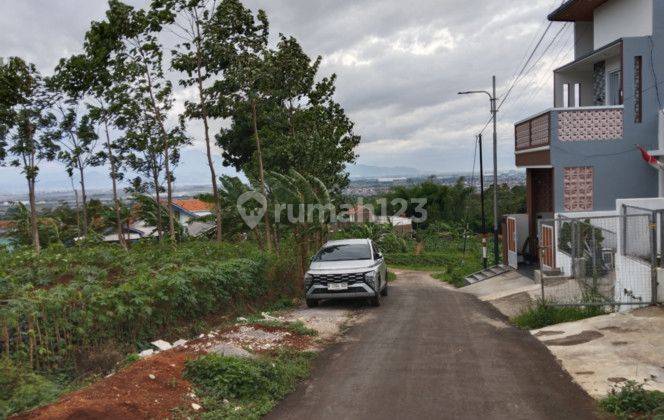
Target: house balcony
{"points": [[535, 135]]}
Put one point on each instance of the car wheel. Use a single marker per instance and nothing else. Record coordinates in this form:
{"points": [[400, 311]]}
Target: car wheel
{"points": [[384, 291], [312, 303], [375, 301]]}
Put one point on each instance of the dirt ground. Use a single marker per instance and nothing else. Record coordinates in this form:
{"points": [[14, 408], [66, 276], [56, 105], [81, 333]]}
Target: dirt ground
{"points": [[153, 387], [609, 350]]}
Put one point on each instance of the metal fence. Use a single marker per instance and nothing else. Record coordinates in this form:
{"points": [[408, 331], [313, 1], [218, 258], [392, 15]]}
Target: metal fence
{"points": [[601, 260]]}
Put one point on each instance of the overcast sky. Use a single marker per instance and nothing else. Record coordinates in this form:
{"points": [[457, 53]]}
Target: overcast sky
{"points": [[399, 64]]}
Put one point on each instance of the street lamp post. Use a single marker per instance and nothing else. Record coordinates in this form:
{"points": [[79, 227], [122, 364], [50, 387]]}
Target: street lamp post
{"points": [[484, 250], [494, 113]]}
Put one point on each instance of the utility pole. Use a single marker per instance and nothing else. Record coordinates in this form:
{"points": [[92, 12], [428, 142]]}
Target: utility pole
{"points": [[484, 248], [494, 113], [494, 117]]}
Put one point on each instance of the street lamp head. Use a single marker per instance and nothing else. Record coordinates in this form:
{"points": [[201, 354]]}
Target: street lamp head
{"points": [[472, 92]]}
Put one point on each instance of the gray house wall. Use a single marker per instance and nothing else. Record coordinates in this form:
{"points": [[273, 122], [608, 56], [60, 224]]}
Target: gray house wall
{"points": [[619, 170], [584, 78], [584, 42]]}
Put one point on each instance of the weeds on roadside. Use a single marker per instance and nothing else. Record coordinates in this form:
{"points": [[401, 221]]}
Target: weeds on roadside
{"points": [[543, 314], [453, 276], [245, 388], [21, 389], [632, 401], [296, 327]]}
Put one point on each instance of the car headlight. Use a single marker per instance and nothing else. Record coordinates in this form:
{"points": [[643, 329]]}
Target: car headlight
{"points": [[308, 280], [370, 278]]}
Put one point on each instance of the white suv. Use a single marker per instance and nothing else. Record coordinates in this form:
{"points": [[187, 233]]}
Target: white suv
{"points": [[346, 269]]}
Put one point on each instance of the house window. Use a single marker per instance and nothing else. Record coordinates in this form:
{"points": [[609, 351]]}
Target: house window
{"points": [[578, 189], [638, 89], [615, 82]]}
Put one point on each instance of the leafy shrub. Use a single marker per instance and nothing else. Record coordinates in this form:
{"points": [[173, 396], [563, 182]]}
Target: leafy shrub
{"points": [[544, 314], [70, 301], [454, 275], [21, 389], [253, 385], [633, 401]]}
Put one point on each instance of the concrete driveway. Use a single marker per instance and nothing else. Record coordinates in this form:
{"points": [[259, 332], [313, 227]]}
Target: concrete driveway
{"points": [[432, 352]]}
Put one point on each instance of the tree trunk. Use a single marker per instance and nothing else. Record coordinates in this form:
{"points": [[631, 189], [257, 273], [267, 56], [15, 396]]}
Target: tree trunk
{"points": [[167, 160], [261, 175], [34, 229], [206, 126], [78, 206], [169, 190], [84, 198], [116, 200], [155, 179]]}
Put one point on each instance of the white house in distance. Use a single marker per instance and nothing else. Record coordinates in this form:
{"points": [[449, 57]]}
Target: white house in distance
{"points": [[191, 208]]}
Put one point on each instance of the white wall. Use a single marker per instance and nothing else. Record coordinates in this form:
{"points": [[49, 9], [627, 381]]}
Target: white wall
{"points": [[522, 230], [633, 282], [622, 18]]}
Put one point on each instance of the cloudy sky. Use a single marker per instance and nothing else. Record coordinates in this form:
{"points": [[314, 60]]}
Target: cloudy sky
{"points": [[399, 64]]}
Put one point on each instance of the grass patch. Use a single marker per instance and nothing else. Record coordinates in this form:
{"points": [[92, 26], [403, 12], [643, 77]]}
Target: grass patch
{"points": [[21, 389], [633, 401], [391, 277], [455, 279], [544, 314], [296, 327], [245, 388]]}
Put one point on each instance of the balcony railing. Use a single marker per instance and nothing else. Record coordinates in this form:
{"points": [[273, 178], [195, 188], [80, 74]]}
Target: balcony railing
{"points": [[571, 125], [534, 132]]}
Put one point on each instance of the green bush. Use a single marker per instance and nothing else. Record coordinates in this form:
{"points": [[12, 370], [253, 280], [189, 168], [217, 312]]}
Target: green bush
{"points": [[544, 314], [65, 302], [453, 275], [21, 389], [633, 401], [245, 388]]}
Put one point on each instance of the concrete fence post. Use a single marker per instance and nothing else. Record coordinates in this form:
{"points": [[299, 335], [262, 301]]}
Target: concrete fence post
{"points": [[652, 218]]}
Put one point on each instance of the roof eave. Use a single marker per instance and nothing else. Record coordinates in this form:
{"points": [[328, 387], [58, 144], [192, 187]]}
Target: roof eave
{"points": [[559, 15]]}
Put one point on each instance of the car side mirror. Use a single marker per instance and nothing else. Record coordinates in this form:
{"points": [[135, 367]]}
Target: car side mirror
{"points": [[380, 255]]}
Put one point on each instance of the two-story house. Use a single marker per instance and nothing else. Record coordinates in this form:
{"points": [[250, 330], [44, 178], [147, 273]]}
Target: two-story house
{"points": [[581, 155]]}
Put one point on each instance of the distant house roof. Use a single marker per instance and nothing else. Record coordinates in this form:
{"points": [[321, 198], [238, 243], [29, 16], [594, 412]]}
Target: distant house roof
{"points": [[193, 205], [196, 229], [576, 11], [360, 209], [6, 224]]}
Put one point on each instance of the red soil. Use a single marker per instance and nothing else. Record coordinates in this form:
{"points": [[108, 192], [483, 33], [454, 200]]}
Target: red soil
{"points": [[130, 393]]}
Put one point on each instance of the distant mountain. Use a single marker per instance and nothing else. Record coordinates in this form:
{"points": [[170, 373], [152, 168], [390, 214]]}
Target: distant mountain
{"points": [[367, 171]]}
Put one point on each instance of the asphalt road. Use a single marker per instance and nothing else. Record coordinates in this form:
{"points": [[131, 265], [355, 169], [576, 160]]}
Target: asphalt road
{"points": [[434, 353]]}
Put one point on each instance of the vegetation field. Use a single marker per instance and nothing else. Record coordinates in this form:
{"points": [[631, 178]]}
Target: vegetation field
{"points": [[76, 311]]}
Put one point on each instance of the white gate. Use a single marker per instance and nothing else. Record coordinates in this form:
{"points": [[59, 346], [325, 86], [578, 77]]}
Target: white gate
{"points": [[512, 253]]}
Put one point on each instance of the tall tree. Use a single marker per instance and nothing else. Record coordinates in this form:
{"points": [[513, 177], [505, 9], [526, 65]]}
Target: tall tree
{"points": [[243, 38], [95, 77], [199, 58], [306, 128], [141, 56], [77, 140], [145, 157], [26, 124]]}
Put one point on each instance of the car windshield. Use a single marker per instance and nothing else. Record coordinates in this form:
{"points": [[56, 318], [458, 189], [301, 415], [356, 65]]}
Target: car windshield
{"points": [[346, 252]]}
